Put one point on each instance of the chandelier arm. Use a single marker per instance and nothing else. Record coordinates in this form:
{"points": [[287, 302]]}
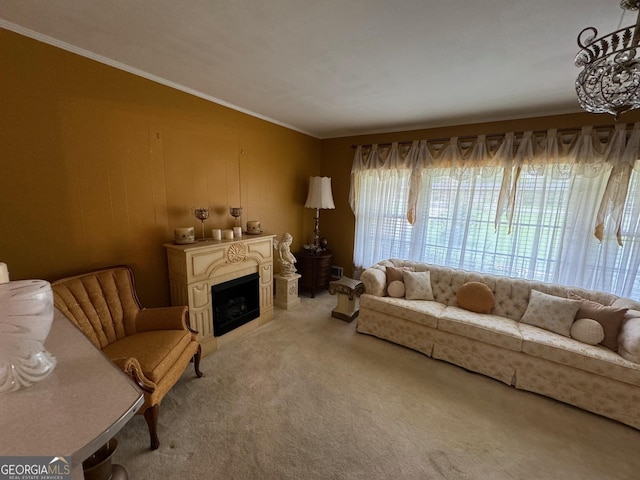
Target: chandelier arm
{"points": [[636, 32], [588, 40]]}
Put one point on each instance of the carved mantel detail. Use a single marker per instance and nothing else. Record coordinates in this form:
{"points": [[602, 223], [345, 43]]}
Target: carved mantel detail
{"points": [[237, 253]]}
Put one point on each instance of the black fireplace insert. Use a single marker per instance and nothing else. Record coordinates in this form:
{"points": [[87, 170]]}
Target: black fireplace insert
{"points": [[235, 303]]}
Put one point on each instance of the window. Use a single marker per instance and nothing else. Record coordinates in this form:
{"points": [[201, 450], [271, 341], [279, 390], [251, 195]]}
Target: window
{"points": [[545, 234]]}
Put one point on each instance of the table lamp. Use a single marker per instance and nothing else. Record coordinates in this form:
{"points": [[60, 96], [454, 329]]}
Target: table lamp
{"points": [[319, 196]]}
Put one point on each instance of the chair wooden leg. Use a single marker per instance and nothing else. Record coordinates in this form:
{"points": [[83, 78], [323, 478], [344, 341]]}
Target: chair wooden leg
{"points": [[151, 416], [196, 362]]}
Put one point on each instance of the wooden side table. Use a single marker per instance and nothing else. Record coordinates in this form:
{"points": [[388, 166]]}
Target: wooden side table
{"points": [[315, 270], [348, 291]]}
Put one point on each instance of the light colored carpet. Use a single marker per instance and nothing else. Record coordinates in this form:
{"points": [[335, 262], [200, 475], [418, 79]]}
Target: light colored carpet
{"points": [[306, 397]]}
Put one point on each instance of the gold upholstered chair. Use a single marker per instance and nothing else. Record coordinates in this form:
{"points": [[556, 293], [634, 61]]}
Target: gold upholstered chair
{"points": [[151, 345]]}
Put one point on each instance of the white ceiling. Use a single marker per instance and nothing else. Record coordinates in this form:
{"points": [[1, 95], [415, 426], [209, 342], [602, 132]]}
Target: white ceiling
{"points": [[334, 68]]}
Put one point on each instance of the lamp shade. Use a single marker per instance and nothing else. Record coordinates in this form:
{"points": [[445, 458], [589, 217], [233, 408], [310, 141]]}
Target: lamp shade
{"points": [[320, 195]]}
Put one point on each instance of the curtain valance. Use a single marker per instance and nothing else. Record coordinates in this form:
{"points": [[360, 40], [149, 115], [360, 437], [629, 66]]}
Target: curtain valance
{"points": [[579, 152]]}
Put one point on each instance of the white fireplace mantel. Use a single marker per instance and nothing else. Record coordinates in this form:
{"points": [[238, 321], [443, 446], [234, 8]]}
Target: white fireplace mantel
{"points": [[194, 268]]}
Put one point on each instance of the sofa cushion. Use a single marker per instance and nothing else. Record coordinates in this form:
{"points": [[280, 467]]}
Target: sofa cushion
{"points": [[552, 313], [424, 312], [567, 351], [609, 317], [476, 356], [417, 285], [587, 330], [157, 351], [476, 297], [398, 330], [499, 331]]}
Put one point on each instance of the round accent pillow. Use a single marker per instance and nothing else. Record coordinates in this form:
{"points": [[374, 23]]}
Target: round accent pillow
{"points": [[476, 297], [396, 289], [587, 330]]}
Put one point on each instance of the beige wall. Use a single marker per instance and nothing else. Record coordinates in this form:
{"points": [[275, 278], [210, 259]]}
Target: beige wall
{"points": [[98, 166], [337, 156]]}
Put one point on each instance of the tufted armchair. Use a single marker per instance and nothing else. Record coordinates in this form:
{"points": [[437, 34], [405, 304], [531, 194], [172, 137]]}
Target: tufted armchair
{"points": [[151, 345]]}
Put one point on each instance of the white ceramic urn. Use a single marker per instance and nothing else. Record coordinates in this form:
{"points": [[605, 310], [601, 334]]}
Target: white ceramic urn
{"points": [[26, 314]]}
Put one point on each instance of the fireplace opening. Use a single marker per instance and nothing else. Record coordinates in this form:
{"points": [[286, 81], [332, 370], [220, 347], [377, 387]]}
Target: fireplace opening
{"points": [[235, 303]]}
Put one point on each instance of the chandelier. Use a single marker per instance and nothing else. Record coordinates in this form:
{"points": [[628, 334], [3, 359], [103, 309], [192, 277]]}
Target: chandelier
{"points": [[610, 78]]}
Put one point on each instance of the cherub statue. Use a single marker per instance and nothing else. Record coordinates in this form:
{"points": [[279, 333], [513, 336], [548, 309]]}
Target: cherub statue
{"points": [[285, 257]]}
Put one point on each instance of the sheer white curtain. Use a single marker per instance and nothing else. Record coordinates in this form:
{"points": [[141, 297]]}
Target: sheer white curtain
{"points": [[379, 197], [558, 207]]}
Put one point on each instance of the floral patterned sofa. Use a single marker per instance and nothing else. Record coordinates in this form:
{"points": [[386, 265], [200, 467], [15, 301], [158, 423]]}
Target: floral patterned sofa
{"points": [[529, 335]]}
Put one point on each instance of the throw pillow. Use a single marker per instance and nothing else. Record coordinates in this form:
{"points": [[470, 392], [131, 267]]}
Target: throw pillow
{"points": [[587, 330], [394, 274], [552, 313], [609, 317], [396, 289], [476, 297], [417, 286]]}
